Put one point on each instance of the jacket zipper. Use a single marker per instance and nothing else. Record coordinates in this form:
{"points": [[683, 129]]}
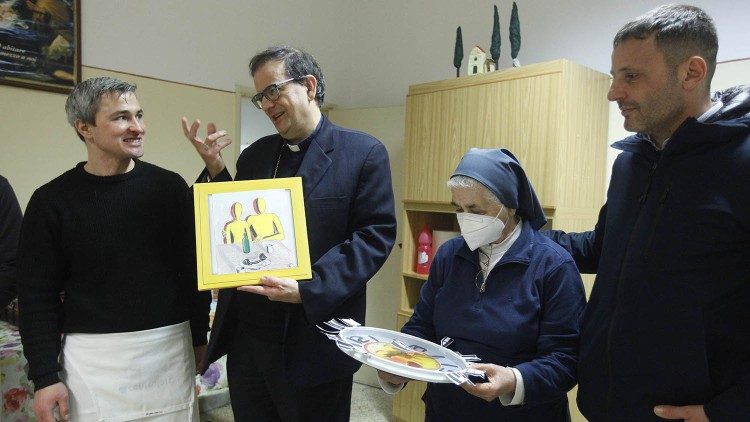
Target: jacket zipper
{"points": [[642, 198], [610, 331], [657, 217]]}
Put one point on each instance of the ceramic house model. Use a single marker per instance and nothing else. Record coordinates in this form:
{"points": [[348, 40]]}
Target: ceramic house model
{"points": [[479, 62]]}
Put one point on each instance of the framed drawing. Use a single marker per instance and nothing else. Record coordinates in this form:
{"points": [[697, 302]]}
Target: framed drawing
{"points": [[40, 44], [248, 229]]}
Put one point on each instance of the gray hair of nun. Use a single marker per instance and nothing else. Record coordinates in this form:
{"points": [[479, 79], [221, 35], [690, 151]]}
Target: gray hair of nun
{"points": [[83, 102], [466, 182], [297, 63]]}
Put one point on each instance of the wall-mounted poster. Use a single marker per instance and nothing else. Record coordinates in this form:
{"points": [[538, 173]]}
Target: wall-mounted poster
{"points": [[248, 229], [40, 44]]}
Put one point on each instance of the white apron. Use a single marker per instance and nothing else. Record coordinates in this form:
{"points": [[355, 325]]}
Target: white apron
{"points": [[142, 375]]}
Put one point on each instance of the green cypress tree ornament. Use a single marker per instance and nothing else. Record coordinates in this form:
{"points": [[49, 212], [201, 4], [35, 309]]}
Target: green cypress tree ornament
{"points": [[495, 44], [458, 53], [515, 35]]}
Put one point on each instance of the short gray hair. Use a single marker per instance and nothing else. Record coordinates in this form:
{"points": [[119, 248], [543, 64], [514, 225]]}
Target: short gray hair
{"points": [[83, 102], [466, 182], [680, 31]]}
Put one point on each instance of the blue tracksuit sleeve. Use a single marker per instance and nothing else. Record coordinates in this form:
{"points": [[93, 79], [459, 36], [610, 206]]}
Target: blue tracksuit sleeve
{"points": [[554, 368]]}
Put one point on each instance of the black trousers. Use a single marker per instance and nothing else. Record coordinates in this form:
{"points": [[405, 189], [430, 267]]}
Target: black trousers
{"points": [[259, 390]]}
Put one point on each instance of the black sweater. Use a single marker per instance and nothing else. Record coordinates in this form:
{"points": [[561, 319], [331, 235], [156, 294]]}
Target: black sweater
{"points": [[121, 247]]}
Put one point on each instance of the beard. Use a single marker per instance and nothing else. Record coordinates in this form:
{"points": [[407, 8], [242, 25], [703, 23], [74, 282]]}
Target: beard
{"points": [[658, 115]]}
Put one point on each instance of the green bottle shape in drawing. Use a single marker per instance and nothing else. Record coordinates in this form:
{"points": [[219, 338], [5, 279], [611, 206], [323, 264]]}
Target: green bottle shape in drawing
{"points": [[245, 243]]}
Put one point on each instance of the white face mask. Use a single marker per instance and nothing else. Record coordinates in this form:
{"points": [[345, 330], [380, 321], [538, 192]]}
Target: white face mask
{"points": [[479, 230]]}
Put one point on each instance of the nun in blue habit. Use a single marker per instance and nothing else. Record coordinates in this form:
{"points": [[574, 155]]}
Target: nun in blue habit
{"points": [[504, 292]]}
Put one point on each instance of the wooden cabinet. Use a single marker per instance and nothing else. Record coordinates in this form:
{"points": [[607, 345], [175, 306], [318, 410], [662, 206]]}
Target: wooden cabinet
{"points": [[553, 117]]}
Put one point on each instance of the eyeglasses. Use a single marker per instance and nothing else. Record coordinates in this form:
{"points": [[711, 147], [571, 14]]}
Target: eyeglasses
{"points": [[271, 93]]}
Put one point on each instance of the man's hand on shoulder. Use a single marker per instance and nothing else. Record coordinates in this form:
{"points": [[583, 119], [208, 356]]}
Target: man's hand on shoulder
{"points": [[47, 398], [276, 289]]}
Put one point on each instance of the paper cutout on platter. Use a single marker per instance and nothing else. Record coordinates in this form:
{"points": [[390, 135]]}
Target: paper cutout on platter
{"points": [[401, 354], [413, 359]]}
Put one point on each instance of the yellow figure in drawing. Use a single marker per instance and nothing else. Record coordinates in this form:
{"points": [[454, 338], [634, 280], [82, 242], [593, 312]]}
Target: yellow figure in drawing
{"points": [[263, 225], [237, 229]]}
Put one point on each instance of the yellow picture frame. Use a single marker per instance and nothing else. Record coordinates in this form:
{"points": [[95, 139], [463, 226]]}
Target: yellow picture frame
{"points": [[247, 229]]}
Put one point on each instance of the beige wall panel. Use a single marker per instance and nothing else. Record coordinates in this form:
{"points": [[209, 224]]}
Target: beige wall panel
{"points": [[37, 144]]}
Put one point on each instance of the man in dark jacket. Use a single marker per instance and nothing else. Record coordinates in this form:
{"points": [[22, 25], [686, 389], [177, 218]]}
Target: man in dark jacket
{"points": [[667, 329], [279, 366]]}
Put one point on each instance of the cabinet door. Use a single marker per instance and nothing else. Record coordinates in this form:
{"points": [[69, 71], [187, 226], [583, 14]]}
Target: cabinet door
{"points": [[521, 115]]}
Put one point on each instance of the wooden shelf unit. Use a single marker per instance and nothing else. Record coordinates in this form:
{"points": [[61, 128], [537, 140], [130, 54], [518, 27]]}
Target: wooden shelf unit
{"points": [[552, 116]]}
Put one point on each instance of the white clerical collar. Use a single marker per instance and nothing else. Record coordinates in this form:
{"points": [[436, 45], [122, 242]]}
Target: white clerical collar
{"points": [[305, 142]]}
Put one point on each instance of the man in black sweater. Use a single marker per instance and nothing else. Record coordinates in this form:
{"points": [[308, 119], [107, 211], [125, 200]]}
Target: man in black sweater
{"points": [[116, 235]]}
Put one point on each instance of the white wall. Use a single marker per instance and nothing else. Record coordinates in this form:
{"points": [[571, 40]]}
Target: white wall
{"points": [[254, 124], [370, 50], [386, 124]]}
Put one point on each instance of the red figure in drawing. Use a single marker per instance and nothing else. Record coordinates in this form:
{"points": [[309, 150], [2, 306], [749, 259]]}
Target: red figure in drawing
{"points": [[236, 229]]}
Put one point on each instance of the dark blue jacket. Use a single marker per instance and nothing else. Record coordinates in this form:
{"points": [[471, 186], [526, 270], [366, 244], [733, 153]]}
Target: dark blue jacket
{"points": [[668, 321], [351, 228], [527, 318]]}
